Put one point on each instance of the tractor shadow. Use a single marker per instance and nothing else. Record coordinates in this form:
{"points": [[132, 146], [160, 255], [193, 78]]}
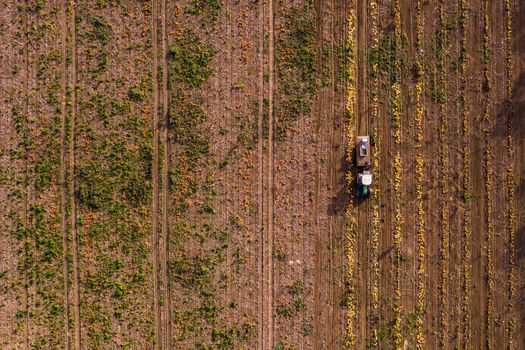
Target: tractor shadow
{"points": [[340, 201]]}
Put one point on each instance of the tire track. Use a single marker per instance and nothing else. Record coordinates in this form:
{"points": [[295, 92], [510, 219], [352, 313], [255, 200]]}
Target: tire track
{"points": [[232, 187], [26, 177], [166, 295], [270, 173], [72, 222], [63, 171], [260, 184], [155, 174]]}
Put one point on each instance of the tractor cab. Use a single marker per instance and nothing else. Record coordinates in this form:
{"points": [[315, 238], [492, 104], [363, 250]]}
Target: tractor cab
{"points": [[364, 181]]}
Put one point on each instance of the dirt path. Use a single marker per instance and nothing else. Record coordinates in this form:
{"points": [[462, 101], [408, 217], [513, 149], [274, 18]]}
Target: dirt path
{"points": [[63, 173], [73, 217], [385, 240], [477, 295], [159, 328]]}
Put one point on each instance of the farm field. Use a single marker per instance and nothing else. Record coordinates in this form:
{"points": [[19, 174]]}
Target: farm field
{"points": [[181, 174]]}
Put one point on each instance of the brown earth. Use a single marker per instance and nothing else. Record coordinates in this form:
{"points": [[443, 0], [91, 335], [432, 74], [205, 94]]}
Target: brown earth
{"points": [[172, 174]]}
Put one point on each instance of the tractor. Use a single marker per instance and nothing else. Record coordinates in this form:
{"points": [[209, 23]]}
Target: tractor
{"points": [[363, 161]]}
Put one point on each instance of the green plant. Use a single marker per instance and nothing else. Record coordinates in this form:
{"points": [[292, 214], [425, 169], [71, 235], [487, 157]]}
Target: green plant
{"points": [[209, 9], [296, 288], [101, 30], [93, 188], [190, 60], [137, 93]]}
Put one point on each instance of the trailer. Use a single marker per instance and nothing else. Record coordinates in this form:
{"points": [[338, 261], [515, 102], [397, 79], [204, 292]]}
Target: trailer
{"points": [[363, 157]]}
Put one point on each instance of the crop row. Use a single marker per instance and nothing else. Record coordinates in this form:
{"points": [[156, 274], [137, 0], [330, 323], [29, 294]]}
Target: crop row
{"points": [[466, 177], [351, 225], [398, 238], [488, 154], [511, 191], [396, 74], [420, 164], [398, 218], [443, 178]]}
